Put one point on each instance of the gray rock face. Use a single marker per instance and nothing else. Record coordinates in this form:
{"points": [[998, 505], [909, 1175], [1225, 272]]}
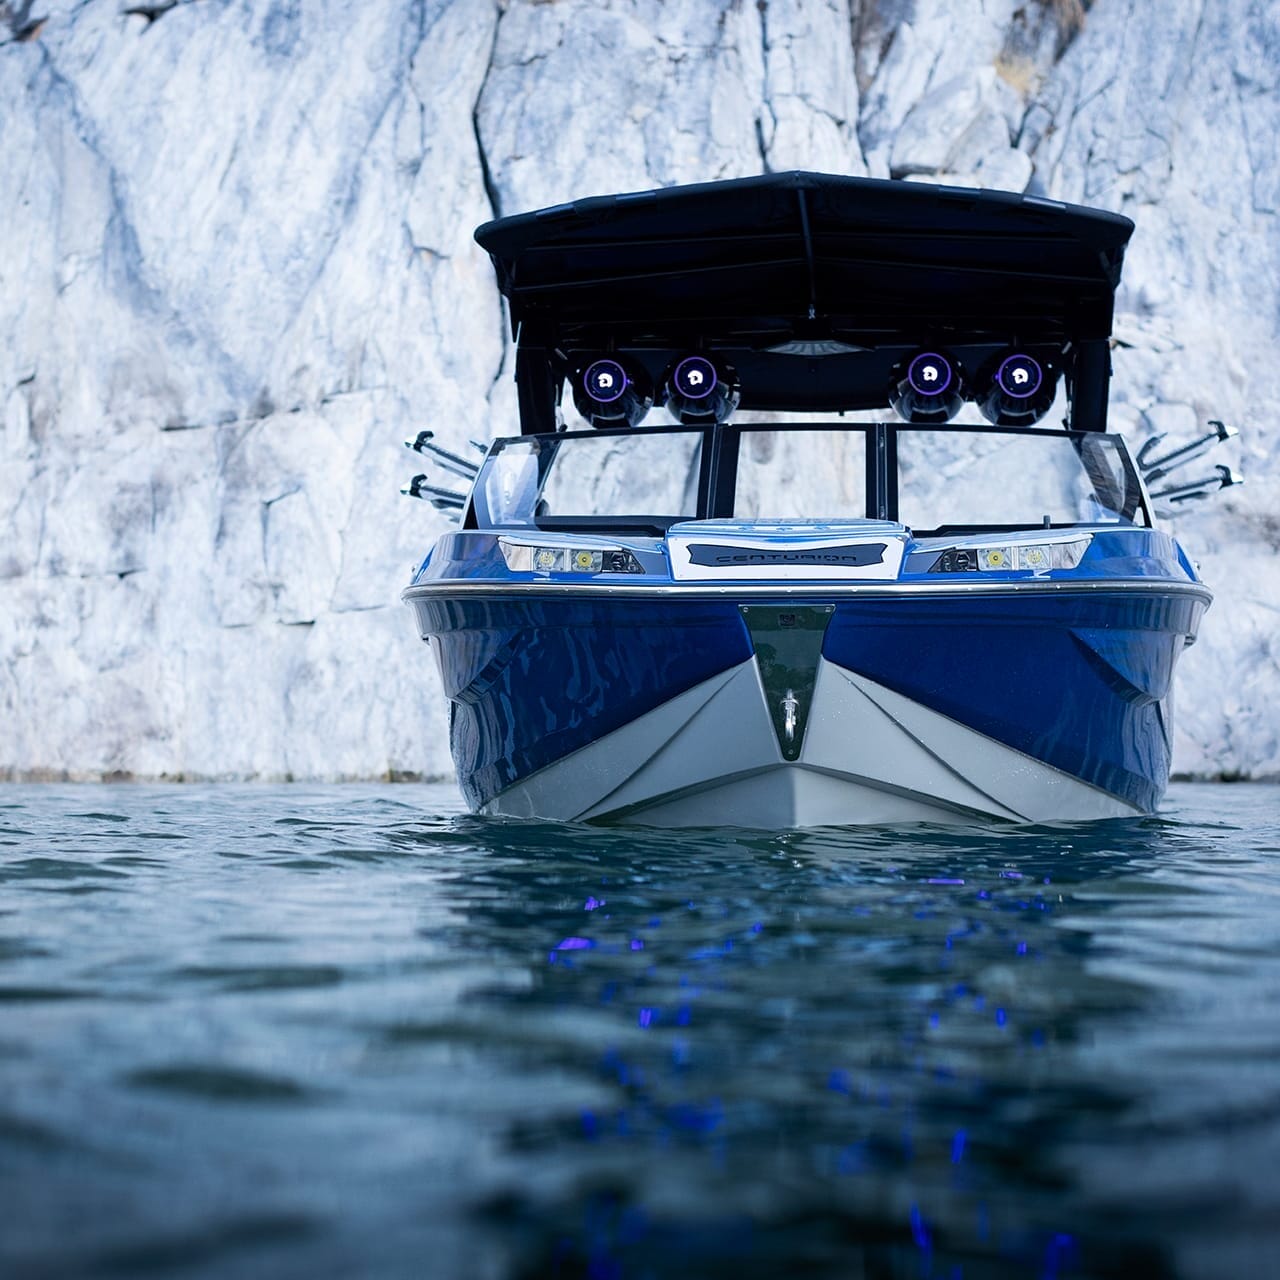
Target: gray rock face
{"points": [[237, 269]]}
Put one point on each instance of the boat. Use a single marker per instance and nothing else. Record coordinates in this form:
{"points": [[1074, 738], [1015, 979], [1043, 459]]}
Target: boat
{"points": [[788, 535]]}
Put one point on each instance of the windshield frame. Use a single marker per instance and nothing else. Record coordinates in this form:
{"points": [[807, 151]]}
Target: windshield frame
{"points": [[718, 465]]}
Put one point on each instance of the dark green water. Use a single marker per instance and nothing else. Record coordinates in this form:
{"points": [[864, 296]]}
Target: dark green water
{"points": [[299, 1032]]}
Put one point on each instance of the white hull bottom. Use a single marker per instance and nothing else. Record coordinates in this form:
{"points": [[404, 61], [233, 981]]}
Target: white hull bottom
{"points": [[710, 757]]}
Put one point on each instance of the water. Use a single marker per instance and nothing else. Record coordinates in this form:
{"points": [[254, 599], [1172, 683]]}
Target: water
{"points": [[353, 1032]]}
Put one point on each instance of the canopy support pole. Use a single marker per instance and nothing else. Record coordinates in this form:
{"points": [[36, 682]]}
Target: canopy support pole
{"points": [[535, 390], [1089, 389]]}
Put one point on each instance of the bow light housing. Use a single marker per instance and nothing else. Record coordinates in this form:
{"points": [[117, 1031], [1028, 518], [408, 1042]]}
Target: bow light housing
{"points": [[1003, 557], [528, 557]]}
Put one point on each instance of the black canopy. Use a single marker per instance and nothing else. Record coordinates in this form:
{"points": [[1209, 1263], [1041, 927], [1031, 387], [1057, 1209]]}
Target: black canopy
{"points": [[802, 261]]}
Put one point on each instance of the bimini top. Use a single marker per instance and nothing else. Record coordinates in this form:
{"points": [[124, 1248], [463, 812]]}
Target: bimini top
{"points": [[846, 273]]}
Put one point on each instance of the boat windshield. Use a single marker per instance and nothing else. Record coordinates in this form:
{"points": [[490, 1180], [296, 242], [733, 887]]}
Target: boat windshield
{"points": [[636, 479], [930, 479], [952, 479]]}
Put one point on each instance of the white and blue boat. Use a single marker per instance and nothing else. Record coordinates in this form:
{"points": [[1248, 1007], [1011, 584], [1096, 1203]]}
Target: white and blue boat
{"points": [[807, 549]]}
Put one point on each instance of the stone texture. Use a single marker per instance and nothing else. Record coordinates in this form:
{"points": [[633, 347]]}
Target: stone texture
{"points": [[236, 269], [1168, 121]]}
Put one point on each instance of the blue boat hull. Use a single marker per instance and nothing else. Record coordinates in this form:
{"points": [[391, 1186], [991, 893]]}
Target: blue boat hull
{"points": [[1074, 682], [532, 680]]}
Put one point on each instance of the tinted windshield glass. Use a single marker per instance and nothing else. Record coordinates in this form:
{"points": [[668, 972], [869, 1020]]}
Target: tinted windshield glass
{"points": [[947, 477], [976, 478], [591, 476], [797, 474]]}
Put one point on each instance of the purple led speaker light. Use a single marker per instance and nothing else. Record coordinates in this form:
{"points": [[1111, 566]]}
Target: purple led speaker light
{"points": [[605, 381], [1008, 381], [921, 385], [694, 377]]}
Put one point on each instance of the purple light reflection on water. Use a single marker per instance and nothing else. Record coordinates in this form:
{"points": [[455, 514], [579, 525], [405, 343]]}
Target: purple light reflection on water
{"points": [[575, 944], [1058, 1253], [593, 904], [694, 1118], [645, 1017], [919, 1230]]}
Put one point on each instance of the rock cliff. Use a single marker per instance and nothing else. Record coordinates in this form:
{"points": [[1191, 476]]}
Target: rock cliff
{"points": [[236, 269]]}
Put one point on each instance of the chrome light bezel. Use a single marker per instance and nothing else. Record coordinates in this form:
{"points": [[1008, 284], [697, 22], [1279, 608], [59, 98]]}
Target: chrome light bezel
{"points": [[587, 557]]}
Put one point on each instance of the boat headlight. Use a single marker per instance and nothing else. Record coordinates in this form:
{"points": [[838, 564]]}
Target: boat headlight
{"points": [[1035, 557], [1050, 555], [524, 557]]}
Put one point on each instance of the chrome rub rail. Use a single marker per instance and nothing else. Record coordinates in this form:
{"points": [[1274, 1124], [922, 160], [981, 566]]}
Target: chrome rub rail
{"points": [[453, 588]]}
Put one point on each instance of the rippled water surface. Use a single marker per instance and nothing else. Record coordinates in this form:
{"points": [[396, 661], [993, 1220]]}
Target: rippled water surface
{"points": [[354, 1032]]}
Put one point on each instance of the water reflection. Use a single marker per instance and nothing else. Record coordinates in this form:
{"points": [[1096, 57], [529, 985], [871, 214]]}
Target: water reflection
{"points": [[852, 1048]]}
